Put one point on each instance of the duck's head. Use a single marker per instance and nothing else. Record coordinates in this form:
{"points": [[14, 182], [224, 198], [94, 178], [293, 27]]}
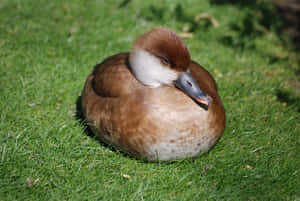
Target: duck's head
{"points": [[160, 57]]}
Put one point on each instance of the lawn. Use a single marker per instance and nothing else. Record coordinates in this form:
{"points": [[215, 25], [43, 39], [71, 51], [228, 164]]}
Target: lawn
{"points": [[47, 50]]}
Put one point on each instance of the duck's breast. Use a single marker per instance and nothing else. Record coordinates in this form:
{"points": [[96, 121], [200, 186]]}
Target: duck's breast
{"points": [[172, 125]]}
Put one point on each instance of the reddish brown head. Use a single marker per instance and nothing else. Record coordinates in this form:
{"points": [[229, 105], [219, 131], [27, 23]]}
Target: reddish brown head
{"points": [[160, 57], [167, 46]]}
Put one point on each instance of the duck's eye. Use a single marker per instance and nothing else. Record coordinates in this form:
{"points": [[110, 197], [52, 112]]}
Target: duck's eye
{"points": [[164, 60], [189, 83]]}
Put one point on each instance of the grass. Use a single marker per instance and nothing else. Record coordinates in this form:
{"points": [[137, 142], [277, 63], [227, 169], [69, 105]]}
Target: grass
{"points": [[47, 50]]}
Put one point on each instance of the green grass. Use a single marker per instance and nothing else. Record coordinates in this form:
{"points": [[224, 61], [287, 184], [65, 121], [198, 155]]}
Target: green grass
{"points": [[47, 50]]}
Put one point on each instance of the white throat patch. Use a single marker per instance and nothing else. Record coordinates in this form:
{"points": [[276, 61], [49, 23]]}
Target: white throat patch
{"points": [[149, 70]]}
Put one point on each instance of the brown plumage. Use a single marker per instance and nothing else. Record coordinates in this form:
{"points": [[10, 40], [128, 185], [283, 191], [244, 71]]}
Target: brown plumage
{"points": [[159, 122]]}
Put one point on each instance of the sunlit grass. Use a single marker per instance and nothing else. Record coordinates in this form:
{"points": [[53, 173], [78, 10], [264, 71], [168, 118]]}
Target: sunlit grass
{"points": [[48, 48]]}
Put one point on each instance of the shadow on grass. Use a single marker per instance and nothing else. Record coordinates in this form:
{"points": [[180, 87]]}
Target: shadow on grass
{"points": [[161, 13], [124, 3], [260, 18], [282, 17], [288, 98]]}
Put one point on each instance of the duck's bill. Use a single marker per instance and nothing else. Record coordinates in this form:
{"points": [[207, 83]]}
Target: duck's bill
{"points": [[189, 85], [204, 100]]}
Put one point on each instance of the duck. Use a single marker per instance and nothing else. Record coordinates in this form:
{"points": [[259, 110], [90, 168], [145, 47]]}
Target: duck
{"points": [[154, 102]]}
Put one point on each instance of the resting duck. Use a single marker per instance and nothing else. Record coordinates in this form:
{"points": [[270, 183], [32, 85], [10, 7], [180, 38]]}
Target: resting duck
{"points": [[154, 102]]}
